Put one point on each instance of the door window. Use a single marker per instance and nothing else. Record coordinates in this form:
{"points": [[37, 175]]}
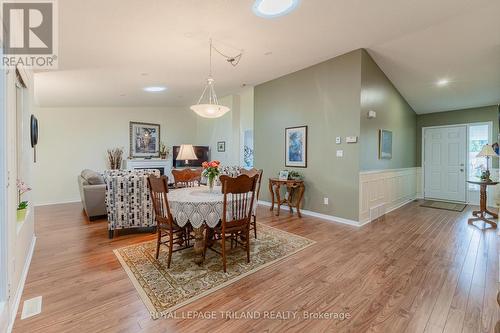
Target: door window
{"points": [[479, 135]]}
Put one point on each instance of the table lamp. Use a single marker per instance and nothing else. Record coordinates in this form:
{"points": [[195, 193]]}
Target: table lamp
{"points": [[186, 153], [487, 151]]}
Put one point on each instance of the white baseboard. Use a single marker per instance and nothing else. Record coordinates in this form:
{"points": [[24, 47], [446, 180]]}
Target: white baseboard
{"points": [[56, 203], [329, 218], [20, 287]]}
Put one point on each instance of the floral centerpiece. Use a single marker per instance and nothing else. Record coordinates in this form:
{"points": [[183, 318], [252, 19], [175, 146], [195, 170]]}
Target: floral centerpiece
{"points": [[22, 207], [211, 171]]}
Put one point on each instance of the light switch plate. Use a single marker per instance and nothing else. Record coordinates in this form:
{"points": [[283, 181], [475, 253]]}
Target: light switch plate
{"points": [[325, 201], [340, 153], [351, 139], [338, 140]]}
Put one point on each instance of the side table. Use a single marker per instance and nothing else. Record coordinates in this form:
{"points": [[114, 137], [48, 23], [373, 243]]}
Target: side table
{"points": [[480, 215], [295, 191]]}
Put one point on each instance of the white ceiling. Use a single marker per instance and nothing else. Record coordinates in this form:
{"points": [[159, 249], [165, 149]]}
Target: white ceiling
{"points": [[105, 47]]}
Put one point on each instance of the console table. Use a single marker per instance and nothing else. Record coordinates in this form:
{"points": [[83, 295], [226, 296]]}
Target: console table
{"points": [[480, 215], [294, 193]]}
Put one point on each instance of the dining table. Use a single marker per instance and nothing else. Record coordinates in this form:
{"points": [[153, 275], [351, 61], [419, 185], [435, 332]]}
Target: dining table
{"points": [[201, 207]]}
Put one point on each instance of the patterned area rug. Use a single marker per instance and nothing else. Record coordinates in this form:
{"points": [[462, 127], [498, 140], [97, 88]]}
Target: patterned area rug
{"points": [[457, 207], [163, 290]]}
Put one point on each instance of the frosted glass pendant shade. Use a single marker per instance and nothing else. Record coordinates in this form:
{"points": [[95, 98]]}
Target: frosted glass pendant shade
{"points": [[210, 110]]}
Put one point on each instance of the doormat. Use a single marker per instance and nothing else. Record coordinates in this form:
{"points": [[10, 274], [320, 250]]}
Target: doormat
{"points": [[456, 207]]}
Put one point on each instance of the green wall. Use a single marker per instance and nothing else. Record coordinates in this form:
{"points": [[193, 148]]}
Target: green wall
{"points": [[464, 116], [326, 98], [393, 113]]}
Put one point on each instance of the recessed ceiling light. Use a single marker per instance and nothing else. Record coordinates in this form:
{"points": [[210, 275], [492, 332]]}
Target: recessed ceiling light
{"points": [[155, 89], [274, 8], [442, 82]]}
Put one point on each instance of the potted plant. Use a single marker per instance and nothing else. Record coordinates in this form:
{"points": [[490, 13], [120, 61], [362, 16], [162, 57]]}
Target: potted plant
{"points": [[294, 175], [211, 171], [22, 207], [164, 151]]}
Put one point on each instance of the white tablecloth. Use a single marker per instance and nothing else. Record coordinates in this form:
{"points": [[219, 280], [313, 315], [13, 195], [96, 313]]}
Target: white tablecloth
{"points": [[197, 205]]}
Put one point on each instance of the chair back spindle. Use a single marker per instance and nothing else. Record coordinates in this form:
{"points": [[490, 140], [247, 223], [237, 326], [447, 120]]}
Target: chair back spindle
{"points": [[159, 189], [239, 195]]}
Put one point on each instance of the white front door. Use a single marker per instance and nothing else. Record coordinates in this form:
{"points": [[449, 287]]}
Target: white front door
{"points": [[444, 163]]}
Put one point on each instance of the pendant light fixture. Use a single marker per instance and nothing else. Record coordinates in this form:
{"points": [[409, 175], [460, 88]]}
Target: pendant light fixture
{"points": [[208, 106]]}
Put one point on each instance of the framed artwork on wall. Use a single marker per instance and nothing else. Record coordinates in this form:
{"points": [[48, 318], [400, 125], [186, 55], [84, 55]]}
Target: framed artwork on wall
{"points": [[144, 140], [221, 146], [296, 147], [385, 144]]}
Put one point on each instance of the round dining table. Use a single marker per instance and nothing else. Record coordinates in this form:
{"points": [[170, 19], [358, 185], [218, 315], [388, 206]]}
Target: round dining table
{"points": [[199, 206]]}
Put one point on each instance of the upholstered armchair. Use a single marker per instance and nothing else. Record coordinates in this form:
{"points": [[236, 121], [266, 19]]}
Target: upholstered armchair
{"points": [[128, 201]]}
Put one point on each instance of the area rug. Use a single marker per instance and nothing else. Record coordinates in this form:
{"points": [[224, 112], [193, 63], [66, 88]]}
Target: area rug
{"points": [[164, 290], [457, 207]]}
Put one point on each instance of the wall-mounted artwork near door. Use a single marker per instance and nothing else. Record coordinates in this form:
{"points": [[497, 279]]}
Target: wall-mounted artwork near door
{"points": [[385, 144]]}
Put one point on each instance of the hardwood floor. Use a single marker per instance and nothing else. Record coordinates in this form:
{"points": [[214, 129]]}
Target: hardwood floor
{"points": [[416, 270]]}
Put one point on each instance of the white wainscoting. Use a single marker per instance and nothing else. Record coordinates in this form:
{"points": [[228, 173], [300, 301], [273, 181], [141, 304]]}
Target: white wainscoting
{"points": [[420, 183], [382, 191]]}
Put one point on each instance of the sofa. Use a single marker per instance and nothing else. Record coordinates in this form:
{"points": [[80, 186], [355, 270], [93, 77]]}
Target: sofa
{"points": [[92, 194], [128, 200]]}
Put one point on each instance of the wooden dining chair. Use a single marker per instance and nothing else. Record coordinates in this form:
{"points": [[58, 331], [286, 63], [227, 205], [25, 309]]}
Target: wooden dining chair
{"points": [[186, 178], [250, 173], [165, 224], [239, 194]]}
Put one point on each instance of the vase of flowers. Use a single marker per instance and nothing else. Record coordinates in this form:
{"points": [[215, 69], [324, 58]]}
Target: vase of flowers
{"points": [[211, 171], [22, 207]]}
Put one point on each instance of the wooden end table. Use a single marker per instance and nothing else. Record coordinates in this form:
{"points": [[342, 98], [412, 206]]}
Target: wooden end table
{"points": [[295, 191], [480, 215]]}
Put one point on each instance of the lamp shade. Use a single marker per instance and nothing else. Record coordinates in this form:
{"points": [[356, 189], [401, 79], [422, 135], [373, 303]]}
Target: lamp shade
{"points": [[186, 152], [487, 151]]}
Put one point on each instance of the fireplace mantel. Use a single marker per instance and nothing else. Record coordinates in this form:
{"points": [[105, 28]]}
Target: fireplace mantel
{"points": [[153, 163]]}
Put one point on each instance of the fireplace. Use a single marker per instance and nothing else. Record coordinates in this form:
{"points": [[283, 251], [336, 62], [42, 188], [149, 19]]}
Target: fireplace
{"points": [[163, 166]]}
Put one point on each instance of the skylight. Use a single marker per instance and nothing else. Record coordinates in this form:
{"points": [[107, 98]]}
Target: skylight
{"points": [[274, 8]]}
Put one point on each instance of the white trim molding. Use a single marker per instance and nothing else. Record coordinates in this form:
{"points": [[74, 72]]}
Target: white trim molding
{"points": [[329, 218], [20, 288], [383, 191], [56, 203]]}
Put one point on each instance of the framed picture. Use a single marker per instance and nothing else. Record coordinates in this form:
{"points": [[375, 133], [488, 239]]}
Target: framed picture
{"points": [[221, 146], [283, 175], [385, 144], [144, 140], [296, 147]]}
